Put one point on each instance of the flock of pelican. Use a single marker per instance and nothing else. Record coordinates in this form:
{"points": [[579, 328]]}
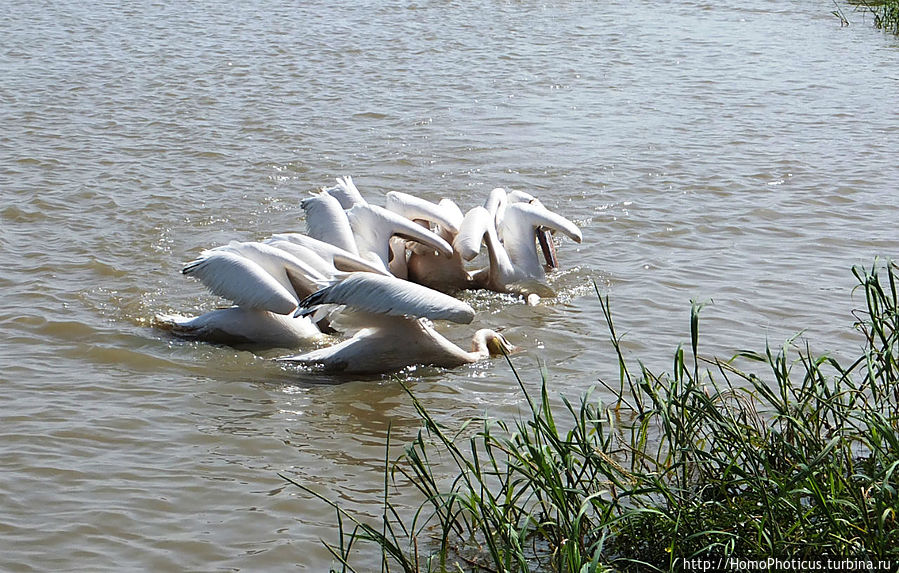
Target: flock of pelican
{"points": [[378, 275]]}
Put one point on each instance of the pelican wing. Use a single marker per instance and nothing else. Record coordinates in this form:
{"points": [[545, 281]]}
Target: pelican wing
{"points": [[516, 196], [353, 264], [326, 221], [293, 273], [241, 280], [380, 294], [412, 207], [305, 254], [346, 193], [341, 259], [324, 249], [471, 232]]}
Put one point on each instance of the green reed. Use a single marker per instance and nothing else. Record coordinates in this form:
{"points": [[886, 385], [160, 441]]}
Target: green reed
{"points": [[886, 15], [885, 12], [776, 453]]}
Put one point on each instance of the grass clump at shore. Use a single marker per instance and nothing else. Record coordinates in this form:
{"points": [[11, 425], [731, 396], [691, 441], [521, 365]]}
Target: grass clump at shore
{"points": [[886, 15], [885, 12], [778, 453]]}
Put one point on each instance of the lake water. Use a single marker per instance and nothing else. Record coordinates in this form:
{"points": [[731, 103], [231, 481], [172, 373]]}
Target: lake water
{"points": [[741, 153]]}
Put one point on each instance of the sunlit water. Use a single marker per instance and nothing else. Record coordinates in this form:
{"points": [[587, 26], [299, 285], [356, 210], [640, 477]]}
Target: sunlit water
{"points": [[738, 153]]}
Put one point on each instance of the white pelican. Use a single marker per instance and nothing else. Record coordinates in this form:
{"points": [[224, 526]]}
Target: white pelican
{"points": [[374, 226], [327, 221], [396, 330], [511, 227], [342, 217], [425, 266], [334, 257], [445, 215], [346, 192], [239, 325], [524, 222], [265, 283]]}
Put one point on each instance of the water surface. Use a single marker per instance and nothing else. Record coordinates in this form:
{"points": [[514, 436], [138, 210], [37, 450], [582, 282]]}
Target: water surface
{"points": [[740, 153]]}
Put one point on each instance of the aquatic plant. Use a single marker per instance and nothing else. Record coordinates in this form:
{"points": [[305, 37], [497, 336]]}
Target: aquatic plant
{"points": [[886, 15], [885, 12], [779, 453]]}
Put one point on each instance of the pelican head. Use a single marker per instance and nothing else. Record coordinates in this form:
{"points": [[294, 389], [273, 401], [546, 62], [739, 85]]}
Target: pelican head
{"points": [[491, 343], [527, 224], [373, 227]]}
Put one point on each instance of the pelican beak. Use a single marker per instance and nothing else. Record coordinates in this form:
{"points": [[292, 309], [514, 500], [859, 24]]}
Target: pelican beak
{"points": [[499, 346], [545, 238]]}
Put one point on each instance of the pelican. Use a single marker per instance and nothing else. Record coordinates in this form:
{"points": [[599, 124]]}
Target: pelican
{"points": [[334, 258], [521, 224], [327, 221], [346, 192], [511, 225], [445, 215], [373, 228], [425, 266], [342, 217], [265, 284], [397, 333], [238, 325]]}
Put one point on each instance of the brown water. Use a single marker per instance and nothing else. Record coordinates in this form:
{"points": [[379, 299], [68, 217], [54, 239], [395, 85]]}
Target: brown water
{"points": [[739, 152]]}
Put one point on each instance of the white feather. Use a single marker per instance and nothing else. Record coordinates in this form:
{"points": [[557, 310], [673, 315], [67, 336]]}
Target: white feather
{"points": [[346, 193], [446, 215], [305, 254], [390, 296], [373, 227], [327, 221], [287, 269], [341, 259], [241, 280]]}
